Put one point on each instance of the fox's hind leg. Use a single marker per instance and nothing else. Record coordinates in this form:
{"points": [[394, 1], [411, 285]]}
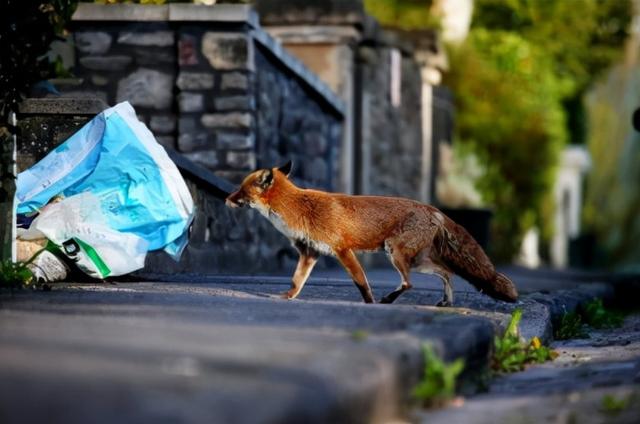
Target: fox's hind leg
{"points": [[427, 266], [401, 264], [447, 299]]}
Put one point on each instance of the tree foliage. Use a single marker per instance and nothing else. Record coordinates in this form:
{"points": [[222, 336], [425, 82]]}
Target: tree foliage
{"points": [[582, 37], [612, 195], [27, 28], [519, 81], [403, 14], [510, 115]]}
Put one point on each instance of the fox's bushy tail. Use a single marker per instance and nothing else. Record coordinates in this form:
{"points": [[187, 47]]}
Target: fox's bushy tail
{"points": [[501, 288], [464, 256]]}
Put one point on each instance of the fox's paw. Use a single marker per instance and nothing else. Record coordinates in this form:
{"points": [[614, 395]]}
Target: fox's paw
{"points": [[287, 295], [444, 303], [387, 299]]}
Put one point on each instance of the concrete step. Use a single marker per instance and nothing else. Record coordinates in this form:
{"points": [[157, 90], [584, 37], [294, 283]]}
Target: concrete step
{"points": [[228, 349], [543, 300], [573, 388], [142, 352]]}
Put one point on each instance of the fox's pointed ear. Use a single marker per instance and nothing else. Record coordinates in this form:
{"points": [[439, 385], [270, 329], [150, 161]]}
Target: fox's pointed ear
{"points": [[286, 168], [265, 178]]}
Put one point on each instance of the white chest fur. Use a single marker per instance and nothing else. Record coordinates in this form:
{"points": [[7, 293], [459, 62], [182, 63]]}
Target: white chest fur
{"points": [[290, 233]]}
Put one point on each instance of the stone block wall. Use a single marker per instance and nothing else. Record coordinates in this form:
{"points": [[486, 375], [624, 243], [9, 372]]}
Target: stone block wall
{"points": [[222, 93], [46, 123], [129, 61], [216, 100], [391, 135], [291, 125], [382, 152], [211, 84]]}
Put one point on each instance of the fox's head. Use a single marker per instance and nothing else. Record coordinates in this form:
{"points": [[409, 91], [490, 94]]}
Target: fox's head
{"points": [[254, 187]]}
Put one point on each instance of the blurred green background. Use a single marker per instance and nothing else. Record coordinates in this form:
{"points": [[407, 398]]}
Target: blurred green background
{"points": [[531, 77]]}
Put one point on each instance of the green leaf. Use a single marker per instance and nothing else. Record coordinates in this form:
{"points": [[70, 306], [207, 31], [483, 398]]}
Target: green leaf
{"points": [[438, 384]]}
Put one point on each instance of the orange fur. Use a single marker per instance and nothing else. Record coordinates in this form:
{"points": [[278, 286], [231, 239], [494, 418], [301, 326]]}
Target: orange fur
{"points": [[414, 235]]}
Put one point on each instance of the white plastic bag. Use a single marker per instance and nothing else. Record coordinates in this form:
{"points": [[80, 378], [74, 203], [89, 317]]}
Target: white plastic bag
{"points": [[77, 225]]}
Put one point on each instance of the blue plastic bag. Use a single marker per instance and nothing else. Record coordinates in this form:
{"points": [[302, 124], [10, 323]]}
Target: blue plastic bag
{"points": [[139, 190]]}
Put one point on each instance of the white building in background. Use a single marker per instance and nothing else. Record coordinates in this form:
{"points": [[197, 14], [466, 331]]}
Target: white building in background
{"points": [[455, 18], [575, 161]]}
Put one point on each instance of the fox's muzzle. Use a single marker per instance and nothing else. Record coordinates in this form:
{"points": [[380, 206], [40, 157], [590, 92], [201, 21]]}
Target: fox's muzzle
{"points": [[235, 200]]}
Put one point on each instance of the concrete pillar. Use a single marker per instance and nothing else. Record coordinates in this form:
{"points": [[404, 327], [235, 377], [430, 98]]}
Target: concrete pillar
{"points": [[427, 142], [328, 51], [431, 76], [7, 205], [575, 161]]}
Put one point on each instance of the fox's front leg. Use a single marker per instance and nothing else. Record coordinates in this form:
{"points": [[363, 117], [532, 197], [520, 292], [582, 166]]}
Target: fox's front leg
{"points": [[350, 262], [306, 261]]}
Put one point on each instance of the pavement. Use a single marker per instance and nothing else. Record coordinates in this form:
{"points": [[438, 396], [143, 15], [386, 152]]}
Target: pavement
{"points": [[193, 348], [574, 388]]}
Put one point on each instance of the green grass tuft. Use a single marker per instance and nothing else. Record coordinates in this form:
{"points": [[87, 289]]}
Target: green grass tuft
{"points": [[438, 384], [597, 316], [359, 335], [574, 325], [613, 406], [571, 327], [15, 275]]}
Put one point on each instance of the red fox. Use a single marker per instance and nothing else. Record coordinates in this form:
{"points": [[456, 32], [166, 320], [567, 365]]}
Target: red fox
{"points": [[414, 235]]}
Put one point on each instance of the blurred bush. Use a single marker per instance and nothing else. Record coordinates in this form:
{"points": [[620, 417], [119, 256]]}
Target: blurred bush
{"points": [[520, 79], [509, 113], [152, 2], [612, 204], [27, 29], [403, 14]]}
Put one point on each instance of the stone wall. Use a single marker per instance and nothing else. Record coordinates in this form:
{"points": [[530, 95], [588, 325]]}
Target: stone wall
{"points": [[135, 62], [290, 125], [216, 100], [46, 123], [391, 144], [382, 149], [221, 93], [215, 88]]}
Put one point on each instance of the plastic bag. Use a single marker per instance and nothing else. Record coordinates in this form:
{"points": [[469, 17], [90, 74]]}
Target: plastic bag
{"points": [[121, 195]]}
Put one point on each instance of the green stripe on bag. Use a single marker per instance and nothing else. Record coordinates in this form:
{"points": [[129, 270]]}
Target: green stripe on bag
{"points": [[103, 269]]}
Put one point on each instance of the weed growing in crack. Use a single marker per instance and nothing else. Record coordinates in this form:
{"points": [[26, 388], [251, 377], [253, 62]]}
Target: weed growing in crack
{"points": [[15, 275], [359, 335], [612, 405], [574, 325], [512, 353], [597, 316], [438, 385], [570, 327]]}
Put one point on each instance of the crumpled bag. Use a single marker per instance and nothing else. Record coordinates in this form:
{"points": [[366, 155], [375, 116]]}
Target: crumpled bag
{"points": [[120, 196]]}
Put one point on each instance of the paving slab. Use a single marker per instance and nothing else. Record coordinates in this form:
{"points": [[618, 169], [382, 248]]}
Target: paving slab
{"points": [[189, 353], [583, 407], [544, 300]]}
